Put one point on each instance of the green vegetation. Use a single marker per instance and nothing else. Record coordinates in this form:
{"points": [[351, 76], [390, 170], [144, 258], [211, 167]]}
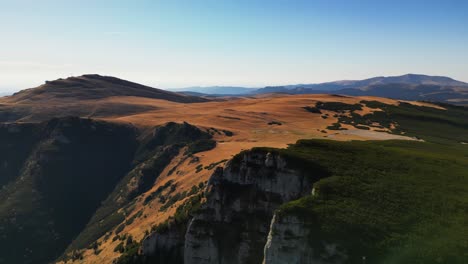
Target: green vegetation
{"points": [[196, 189], [188, 208], [43, 197], [336, 126], [16, 143], [338, 106], [312, 109], [199, 168], [274, 123], [119, 248], [131, 254], [170, 134], [374, 104], [228, 133], [157, 192], [133, 217], [391, 201], [213, 165], [74, 256], [230, 117], [178, 221], [182, 214], [362, 127], [154, 152], [429, 123], [200, 146], [119, 229], [213, 131], [172, 199]]}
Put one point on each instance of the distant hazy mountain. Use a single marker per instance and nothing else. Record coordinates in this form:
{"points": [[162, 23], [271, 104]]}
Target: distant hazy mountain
{"points": [[216, 90], [405, 87], [423, 92], [416, 79]]}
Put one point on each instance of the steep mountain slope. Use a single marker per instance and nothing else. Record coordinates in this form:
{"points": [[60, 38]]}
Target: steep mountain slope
{"points": [[155, 152], [66, 187], [55, 180]]}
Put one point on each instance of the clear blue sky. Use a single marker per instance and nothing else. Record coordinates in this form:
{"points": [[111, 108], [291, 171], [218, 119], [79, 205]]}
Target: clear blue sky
{"points": [[252, 43]]}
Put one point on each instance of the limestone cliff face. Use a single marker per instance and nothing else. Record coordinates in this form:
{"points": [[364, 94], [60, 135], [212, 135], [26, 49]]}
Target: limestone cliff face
{"points": [[162, 241], [290, 241], [165, 247], [233, 225]]}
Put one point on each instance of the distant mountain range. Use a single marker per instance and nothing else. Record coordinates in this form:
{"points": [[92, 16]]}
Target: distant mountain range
{"points": [[413, 79], [215, 90], [405, 87]]}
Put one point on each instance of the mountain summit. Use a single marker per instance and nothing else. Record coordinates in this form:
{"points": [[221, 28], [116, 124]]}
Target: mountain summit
{"points": [[94, 86], [88, 95]]}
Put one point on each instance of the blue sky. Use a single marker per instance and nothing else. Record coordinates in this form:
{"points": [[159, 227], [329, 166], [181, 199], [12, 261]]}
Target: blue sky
{"points": [[171, 44]]}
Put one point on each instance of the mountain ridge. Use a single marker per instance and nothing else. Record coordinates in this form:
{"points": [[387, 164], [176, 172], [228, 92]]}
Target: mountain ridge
{"points": [[404, 87], [95, 86], [409, 78], [216, 90], [89, 95]]}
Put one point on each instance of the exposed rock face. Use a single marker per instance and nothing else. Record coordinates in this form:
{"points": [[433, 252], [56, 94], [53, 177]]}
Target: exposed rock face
{"points": [[165, 247], [233, 225], [289, 241]]}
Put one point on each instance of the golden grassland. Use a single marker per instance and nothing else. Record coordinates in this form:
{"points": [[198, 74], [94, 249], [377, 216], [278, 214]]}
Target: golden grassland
{"points": [[248, 118]]}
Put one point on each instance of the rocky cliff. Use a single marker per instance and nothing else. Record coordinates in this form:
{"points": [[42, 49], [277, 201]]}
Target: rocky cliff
{"points": [[233, 224], [291, 240]]}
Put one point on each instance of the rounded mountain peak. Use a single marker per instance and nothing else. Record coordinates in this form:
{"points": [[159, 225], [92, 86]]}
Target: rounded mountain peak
{"points": [[95, 86]]}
